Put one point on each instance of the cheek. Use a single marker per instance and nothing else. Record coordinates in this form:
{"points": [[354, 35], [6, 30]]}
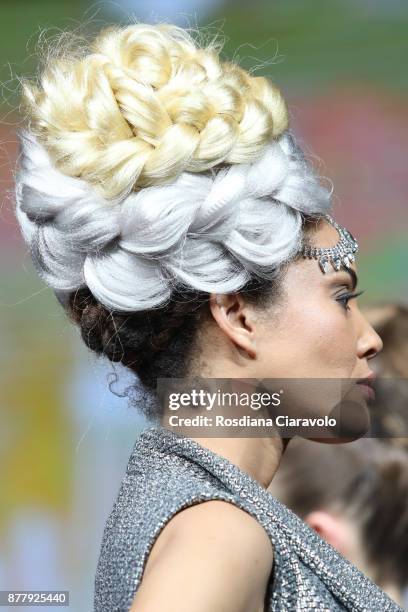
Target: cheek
{"points": [[327, 336], [313, 341]]}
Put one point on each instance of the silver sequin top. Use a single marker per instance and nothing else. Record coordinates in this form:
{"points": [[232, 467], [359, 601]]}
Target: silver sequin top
{"points": [[167, 472]]}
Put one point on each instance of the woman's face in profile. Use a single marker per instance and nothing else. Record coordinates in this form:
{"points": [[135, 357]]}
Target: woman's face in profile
{"points": [[318, 331]]}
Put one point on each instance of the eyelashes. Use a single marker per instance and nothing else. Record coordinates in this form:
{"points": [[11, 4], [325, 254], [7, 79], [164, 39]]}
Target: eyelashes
{"points": [[346, 297]]}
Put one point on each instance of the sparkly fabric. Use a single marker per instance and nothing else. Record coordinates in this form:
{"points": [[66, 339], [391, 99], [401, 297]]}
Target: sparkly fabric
{"points": [[167, 472]]}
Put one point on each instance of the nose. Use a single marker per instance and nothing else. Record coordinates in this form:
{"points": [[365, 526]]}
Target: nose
{"points": [[369, 342]]}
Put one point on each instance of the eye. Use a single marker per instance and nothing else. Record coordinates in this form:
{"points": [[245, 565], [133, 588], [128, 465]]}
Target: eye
{"points": [[346, 297]]}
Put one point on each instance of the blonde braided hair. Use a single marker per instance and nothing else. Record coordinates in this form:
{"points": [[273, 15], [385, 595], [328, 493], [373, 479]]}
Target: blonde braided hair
{"points": [[147, 104]]}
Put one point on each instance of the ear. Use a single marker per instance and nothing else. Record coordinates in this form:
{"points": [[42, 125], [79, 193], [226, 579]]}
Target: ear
{"points": [[331, 528], [236, 319]]}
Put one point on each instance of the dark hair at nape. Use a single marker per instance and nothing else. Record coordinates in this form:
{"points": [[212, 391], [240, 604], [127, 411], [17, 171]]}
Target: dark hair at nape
{"points": [[156, 343]]}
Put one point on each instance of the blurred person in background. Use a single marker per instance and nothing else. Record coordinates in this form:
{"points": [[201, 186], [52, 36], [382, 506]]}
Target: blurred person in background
{"points": [[390, 410], [355, 496], [358, 499]]}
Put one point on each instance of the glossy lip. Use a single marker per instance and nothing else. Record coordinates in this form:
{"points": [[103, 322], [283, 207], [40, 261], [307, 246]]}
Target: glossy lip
{"points": [[366, 385]]}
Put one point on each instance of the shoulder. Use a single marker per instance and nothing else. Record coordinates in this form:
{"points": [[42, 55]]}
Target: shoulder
{"points": [[212, 555], [222, 522]]}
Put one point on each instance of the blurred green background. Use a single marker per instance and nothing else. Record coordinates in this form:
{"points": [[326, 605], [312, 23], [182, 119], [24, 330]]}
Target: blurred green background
{"points": [[65, 438]]}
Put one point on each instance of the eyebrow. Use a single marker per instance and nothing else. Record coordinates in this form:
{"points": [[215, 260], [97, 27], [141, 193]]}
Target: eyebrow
{"points": [[353, 275]]}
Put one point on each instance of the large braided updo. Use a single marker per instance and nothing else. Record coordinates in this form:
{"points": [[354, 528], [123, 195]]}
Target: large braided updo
{"points": [[152, 174], [146, 105]]}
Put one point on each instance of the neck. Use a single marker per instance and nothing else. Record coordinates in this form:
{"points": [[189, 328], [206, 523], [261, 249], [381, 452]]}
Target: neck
{"points": [[258, 457]]}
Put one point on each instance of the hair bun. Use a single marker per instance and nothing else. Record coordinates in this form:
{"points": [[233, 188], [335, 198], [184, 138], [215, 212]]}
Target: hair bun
{"points": [[147, 104]]}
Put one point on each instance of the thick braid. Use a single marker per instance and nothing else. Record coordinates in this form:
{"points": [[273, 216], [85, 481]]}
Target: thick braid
{"points": [[208, 231], [146, 105]]}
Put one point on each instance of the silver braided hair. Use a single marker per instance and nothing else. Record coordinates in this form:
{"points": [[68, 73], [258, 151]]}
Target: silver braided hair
{"points": [[210, 231]]}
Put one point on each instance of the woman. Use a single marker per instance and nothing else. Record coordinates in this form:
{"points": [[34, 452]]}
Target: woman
{"points": [[173, 213]]}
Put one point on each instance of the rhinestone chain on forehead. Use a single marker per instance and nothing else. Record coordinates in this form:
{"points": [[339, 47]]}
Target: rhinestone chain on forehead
{"points": [[340, 254]]}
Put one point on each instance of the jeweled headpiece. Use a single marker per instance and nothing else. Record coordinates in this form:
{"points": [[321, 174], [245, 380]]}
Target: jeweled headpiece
{"points": [[340, 254]]}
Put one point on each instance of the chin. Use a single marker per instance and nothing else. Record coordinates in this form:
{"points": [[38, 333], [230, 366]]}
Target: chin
{"points": [[353, 419]]}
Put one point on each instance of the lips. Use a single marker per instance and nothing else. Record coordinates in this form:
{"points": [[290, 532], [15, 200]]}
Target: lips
{"points": [[366, 385], [367, 390]]}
